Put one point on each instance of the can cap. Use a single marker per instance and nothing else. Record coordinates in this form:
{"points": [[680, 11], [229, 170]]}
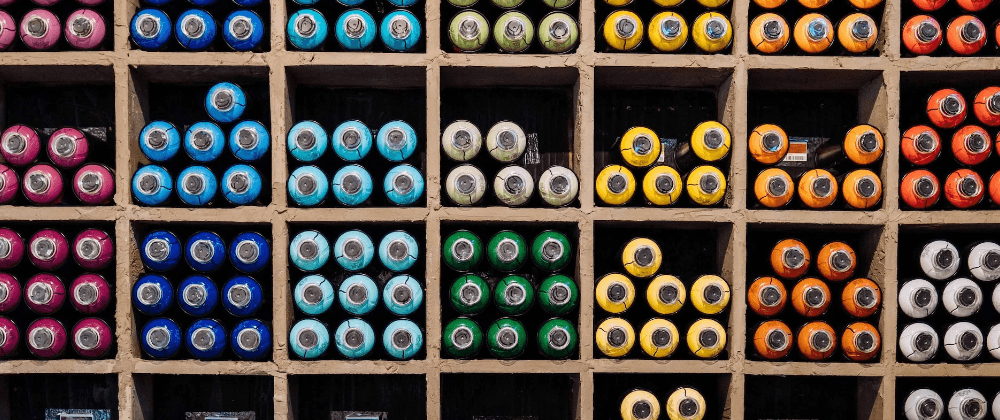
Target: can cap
{"points": [[396, 139], [40, 293], [398, 250], [307, 338], [247, 138], [158, 338], [641, 409], [709, 183], [971, 32], [924, 187], [43, 249], [927, 31], [712, 294], [149, 26], [558, 338], [617, 337], [195, 295], [951, 105], [670, 27], [149, 293], [306, 184], [715, 28], [461, 338], [793, 257], [42, 338], [552, 250], [90, 182], [64, 145], [507, 139], [928, 408], [617, 183], [402, 339], [149, 183], [248, 339], [664, 183], [507, 338], [991, 260], [617, 292], [971, 408], [202, 251], [923, 341], [840, 260], [305, 25], [559, 30], [777, 340], [922, 297], [247, 251], [87, 338], [967, 296], [224, 99], [308, 249], [305, 139], [239, 182], [815, 297], [4, 248], [239, 295], [82, 27], [469, 29], [351, 183], [818, 29], [968, 340], [350, 138], [559, 184], [865, 297], [514, 294], [85, 294], [203, 338], [194, 184], [357, 294], [944, 258], [514, 184], [203, 139], [777, 186], [558, 294], [399, 27], [88, 248], [4, 293], [15, 143], [402, 294], [514, 29], [821, 341], [625, 27], [507, 250], [642, 145], [470, 294], [312, 294], [354, 26], [462, 250], [864, 341], [661, 337], [993, 103], [770, 295], [688, 407], [37, 26], [925, 143], [968, 186], [772, 29], [822, 186], [708, 338], [861, 29], [644, 256], [241, 28], [38, 182], [868, 142], [194, 27], [465, 184]]}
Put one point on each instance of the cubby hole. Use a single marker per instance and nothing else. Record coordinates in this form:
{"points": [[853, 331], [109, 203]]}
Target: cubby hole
{"points": [[912, 239], [373, 95], [183, 231], [671, 102], [535, 317], [380, 317], [689, 11], [868, 244], [378, 10], [836, 12], [536, 11], [219, 10], [611, 388], [67, 315], [541, 101], [815, 108], [503, 395], [689, 250], [47, 98], [915, 90], [176, 94], [813, 397], [30, 396], [402, 397], [170, 397]]}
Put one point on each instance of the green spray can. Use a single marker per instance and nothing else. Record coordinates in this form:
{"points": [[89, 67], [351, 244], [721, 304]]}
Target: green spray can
{"points": [[551, 250], [507, 251], [470, 294], [462, 250], [558, 32], [557, 338], [462, 337], [469, 31], [513, 32], [558, 295], [506, 338], [514, 295]]}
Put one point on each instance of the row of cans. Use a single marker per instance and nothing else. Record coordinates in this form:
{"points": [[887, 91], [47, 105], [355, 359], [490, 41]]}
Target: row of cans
{"points": [[353, 251], [507, 338], [666, 294], [505, 142], [204, 251], [352, 140], [711, 32], [965, 35], [682, 404], [354, 339], [963, 342], [863, 145], [947, 110], [513, 32], [514, 295], [659, 338], [710, 142], [197, 186], [962, 189], [816, 341], [195, 30], [705, 185], [512, 186], [40, 30], [960, 297], [48, 249], [358, 295], [818, 4], [205, 338], [197, 295], [812, 297], [355, 30], [513, 4], [967, 403], [550, 251], [941, 260], [43, 184], [46, 338], [204, 141], [861, 189], [352, 185], [65, 148], [46, 294], [813, 33]]}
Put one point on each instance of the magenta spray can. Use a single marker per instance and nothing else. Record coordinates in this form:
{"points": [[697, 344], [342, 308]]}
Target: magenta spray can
{"points": [[85, 29], [94, 184], [93, 249], [8, 184], [19, 145], [90, 294], [10, 293], [44, 293], [92, 338], [11, 249], [46, 338], [40, 29], [43, 184], [48, 249], [8, 28], [9, 337], [67, 147]]}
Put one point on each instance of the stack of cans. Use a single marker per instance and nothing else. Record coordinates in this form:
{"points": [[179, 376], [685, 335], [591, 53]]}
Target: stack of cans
{"points": [[682, 404], [514, 31], [44, 294], [823, 172], [964, 33], [954, 280], [965, 403], [356, 28], [196, 29], [668, 30], [172, 296], [63, 164], [959, 179], [513, 288], [814, 33], [642, 259], [204, 143], [813, 305], [352, 184], [354, 282], [663, 184], [513, 185], [41, 29]]}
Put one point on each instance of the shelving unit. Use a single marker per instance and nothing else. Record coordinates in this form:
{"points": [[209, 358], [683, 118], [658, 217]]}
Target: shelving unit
{"points": [[130, 71]]}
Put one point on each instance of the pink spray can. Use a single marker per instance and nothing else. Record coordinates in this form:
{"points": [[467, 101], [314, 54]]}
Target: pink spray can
{"points": [[44, 293], [94, 184], [48, 249], [67, 147], [92, 338], [10, 293], [43, 184], [19, 145], [40, 29], [46, 338], [90, 294]]}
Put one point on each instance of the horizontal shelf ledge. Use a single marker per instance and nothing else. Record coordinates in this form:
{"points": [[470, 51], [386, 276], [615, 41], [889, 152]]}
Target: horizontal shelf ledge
{"points": [[815, 369], [664, 214], [58, 366], [949, 217], [836, 217], [57, 213], [665, 60], [357, 367], [947, 63], [206, 59], [947, 369], [60, 58], [512, 366], [662, 366], [817, 62], [510, 214], [201, 367], [509, 60], [360, 214], [247, 214]]}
